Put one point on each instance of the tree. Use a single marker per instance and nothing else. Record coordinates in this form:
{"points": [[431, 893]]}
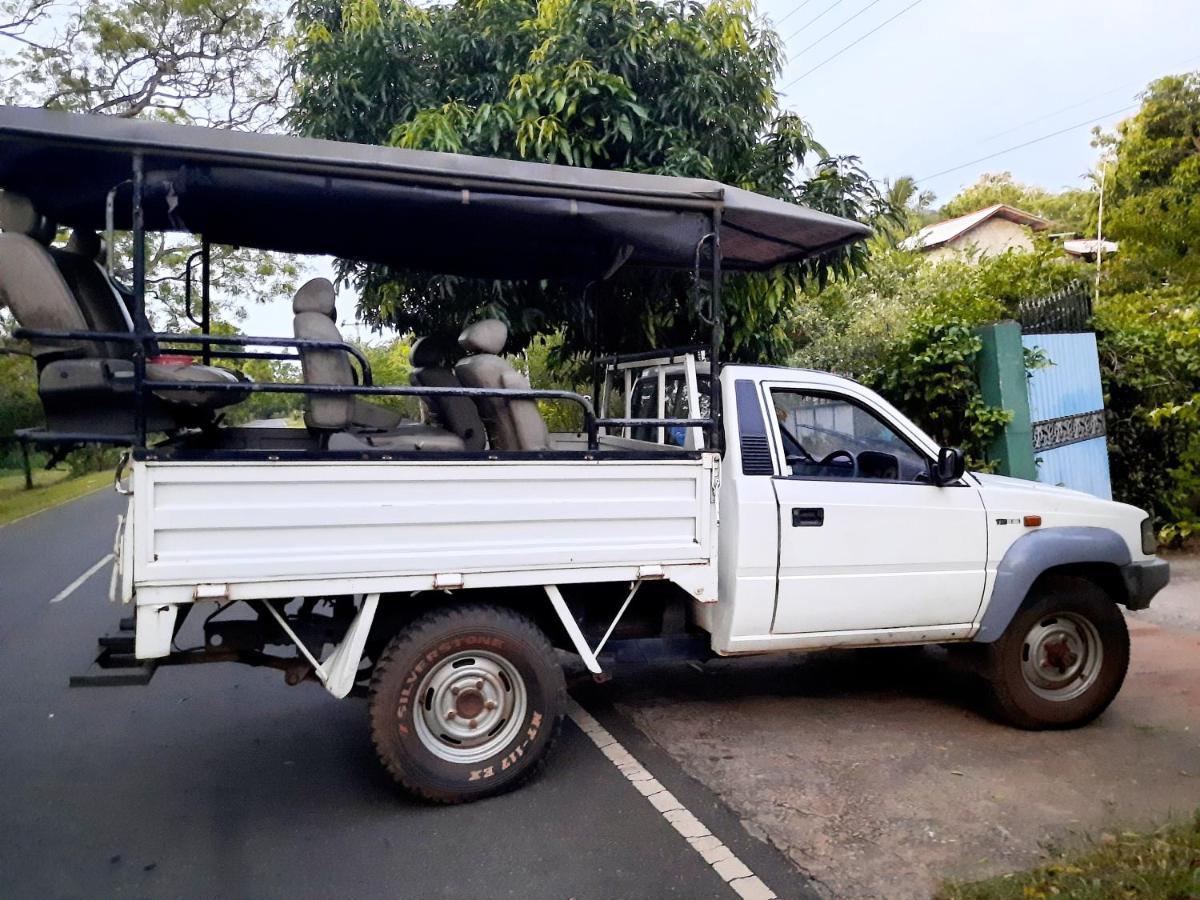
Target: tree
{"points": [[1153, 195], [1069, 210], [676, 89], [1148, 320]]}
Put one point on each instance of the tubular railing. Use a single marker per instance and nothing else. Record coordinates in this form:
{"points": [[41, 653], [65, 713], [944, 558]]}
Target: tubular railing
{"points": [[141, 384]]}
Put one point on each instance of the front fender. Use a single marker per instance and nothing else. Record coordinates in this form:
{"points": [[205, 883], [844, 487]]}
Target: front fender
{"points": [[1035, 553]]}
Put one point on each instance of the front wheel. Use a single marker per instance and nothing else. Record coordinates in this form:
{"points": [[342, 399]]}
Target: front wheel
{"points": [[1062, 659], [465, 703]]}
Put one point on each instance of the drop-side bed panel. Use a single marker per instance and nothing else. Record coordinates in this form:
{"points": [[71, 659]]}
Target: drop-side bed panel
{"points": [[223, 522]]}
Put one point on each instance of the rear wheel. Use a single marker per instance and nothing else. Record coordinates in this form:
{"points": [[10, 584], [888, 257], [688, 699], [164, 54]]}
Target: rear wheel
{"points": [[1062, 659], [465, 703]]}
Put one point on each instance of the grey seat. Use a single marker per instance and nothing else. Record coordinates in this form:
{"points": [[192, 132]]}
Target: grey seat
{"points": [[511, 424], [349, 422], [431, 359], [84, 386]]}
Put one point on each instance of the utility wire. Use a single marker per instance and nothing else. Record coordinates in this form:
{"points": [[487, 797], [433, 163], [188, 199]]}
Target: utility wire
{"points": [[819, 15], [1051, 115], [854, 43], [795, 9], [833, 31], [1037, 140]]}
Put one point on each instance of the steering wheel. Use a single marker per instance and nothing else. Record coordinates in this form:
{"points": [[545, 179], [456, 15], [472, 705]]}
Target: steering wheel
{"points": [[844, 455]]}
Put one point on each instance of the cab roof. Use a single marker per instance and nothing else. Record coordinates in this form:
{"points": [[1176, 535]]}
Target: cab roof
{"points": [[412, 209]]}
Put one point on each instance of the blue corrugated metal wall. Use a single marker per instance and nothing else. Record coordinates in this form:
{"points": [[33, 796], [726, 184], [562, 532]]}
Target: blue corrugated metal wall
{"points": [[1060, 395]]}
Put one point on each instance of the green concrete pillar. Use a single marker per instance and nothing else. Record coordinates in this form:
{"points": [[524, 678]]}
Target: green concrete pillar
{"points": [[1002, 381]]}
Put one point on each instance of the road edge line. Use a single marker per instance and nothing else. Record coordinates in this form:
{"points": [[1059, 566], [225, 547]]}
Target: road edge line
{"points": [[735, 873], [78, 582]]}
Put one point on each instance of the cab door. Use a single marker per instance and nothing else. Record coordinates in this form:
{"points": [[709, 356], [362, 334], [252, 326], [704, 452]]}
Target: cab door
{"points": [[867, 540]]}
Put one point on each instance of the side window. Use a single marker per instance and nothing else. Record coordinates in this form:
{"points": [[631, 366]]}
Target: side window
{"points": [[830, 437]]}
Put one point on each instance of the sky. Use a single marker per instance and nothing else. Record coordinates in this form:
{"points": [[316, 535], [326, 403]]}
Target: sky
{"points": [[949, 81]]}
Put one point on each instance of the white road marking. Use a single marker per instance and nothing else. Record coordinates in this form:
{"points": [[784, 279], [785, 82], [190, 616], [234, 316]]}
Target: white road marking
{"points": [[732, 870], [74, 585]]}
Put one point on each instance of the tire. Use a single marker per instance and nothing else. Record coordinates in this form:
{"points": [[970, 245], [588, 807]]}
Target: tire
{"points": [[1062, 659], [466, 702]]}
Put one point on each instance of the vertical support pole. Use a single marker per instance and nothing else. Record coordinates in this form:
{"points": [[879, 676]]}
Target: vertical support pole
{"points": [[717, 438], [660, 410], [205, 311], [1002, 382], [693, 400], [26, 464], [139, 300]]}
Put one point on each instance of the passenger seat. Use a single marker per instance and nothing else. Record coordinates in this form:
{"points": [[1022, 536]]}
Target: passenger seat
{"points": [[349, 422], [511, 424], [430, 357], [84, 386]]}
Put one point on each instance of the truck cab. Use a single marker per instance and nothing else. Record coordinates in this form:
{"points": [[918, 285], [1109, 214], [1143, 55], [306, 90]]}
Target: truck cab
{"points": [[838, 529]]}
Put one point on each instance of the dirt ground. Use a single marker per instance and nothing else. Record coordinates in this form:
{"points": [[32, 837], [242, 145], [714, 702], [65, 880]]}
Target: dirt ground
{"points": [[878, 774]]}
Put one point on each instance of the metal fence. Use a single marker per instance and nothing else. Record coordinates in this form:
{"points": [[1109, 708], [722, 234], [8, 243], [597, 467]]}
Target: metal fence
{"points": [[1068, 311]]}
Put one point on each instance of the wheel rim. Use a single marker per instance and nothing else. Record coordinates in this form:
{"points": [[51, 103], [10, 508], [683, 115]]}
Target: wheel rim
{"points": [[1061, 656], [471, 705]]}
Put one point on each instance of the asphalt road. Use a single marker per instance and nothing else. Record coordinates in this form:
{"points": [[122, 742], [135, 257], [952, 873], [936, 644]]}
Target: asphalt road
{"points": [[222, 781]]}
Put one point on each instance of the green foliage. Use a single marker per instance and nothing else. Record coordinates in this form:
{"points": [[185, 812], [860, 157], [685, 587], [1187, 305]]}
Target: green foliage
{"points": [[1069, 210], [209, 61], [931, 375], [19, 405], [1152, 204], [676, 89], [1148, 319]]}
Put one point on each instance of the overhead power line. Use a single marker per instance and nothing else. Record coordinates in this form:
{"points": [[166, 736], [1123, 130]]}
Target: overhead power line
{"points": [[1029, 143], [1050, 115], [833, 31], [795, 9], [819, 15], [852, 44]]}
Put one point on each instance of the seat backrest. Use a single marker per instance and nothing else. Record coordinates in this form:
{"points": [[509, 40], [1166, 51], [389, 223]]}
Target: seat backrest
{"points": [[31, 284], [102, 307], [513, 424], [430, 357], [313, 319]]}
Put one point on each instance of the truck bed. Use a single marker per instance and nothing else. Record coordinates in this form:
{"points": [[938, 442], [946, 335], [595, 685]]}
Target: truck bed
{"points": [[247, 530]]}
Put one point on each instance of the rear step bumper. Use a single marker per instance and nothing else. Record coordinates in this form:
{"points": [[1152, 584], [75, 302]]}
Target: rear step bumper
{"points": [[115, 664]]}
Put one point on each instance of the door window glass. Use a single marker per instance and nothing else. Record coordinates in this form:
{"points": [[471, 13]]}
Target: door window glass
{"points": [[831, 437]]}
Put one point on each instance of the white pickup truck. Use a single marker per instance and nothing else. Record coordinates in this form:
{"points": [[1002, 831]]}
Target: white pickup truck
{"points": [[442, 567], [830, 521]]}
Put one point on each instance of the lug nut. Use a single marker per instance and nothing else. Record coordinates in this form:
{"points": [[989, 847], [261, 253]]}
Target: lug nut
{"points": [[489, 704], [471, 724], [454, 690], [451, 714], [479, 685]]}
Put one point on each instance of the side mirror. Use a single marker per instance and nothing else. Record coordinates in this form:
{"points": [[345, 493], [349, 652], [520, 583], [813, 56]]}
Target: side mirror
{"points": [[951, 463]]}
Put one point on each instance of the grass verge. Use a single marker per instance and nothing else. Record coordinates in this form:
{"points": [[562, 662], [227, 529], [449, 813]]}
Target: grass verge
{"points": [[1162, 863], [50, 489]]}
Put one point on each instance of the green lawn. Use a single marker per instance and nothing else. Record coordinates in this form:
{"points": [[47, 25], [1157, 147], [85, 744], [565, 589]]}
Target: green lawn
{"points": [[1163, 863], [50, 489]]}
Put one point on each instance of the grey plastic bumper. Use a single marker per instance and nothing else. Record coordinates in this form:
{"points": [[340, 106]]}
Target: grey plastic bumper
{"points": [[1145, 579]]}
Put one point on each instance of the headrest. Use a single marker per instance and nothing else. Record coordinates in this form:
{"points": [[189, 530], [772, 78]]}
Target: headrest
{"points": [[486, 336], [85, 243], [17, 214], [433, 351], [316, 295]]}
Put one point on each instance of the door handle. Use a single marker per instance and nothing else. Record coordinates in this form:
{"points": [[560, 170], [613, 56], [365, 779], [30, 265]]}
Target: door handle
{"points": [[808, 517]]}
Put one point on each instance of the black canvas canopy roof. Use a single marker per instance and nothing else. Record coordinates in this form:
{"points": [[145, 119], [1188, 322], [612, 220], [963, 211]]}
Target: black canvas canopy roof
{"points": [[438, 212]]}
